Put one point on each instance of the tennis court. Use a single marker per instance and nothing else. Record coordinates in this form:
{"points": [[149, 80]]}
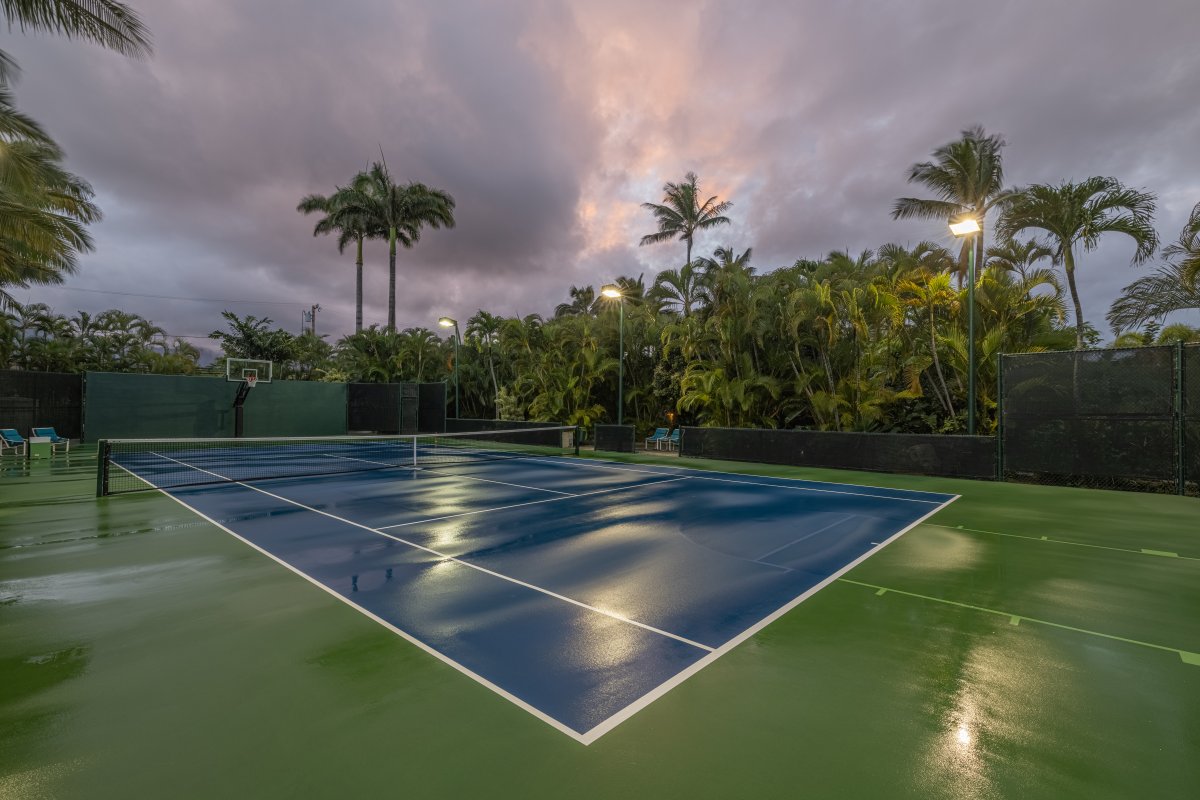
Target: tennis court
{"points": [[462, 627], [580, 590]]}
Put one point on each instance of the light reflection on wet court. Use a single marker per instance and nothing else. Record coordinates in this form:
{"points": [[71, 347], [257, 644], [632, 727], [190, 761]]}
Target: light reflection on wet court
{"points": [[469, 628]]}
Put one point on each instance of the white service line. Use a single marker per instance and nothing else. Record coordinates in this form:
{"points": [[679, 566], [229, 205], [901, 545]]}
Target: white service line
{"points": [[450, 474], [459, 561], [531, 503], [699, 477]]}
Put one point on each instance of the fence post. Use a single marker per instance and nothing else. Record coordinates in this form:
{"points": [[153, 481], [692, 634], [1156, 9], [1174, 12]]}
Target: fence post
{"points": [[1180, 438], [1000, 416]]}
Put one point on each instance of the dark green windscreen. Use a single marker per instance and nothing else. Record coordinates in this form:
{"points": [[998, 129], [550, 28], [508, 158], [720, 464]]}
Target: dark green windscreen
{"points": [[296, 408], [130, 406]]}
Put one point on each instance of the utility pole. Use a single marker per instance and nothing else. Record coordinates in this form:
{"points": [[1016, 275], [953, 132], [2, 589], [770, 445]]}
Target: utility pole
{"points": [[316, 307], [305, 316]]}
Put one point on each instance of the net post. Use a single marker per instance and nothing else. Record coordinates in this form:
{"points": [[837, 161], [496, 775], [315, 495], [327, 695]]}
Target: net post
{"points": [[103, 452], [578, 437], [414, 449]]}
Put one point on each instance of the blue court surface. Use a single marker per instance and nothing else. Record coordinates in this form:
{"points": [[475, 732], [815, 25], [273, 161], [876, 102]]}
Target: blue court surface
{"points": [[579, 589]]}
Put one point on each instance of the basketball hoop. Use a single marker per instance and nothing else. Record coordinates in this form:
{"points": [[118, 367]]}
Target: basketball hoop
{"points": [[251, 381]]}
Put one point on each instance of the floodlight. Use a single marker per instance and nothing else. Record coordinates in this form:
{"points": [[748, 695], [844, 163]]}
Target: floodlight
{"points": [[964, 227]]}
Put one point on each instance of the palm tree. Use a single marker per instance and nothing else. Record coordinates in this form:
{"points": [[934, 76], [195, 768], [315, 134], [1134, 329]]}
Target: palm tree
{"points": [[1186, 251], [350, 227], [721, 273], [1154, 296], [483, 331], [1078, 214], [402, 211], [679, 288], [681, 213], [583, 301], [1020, 258], [44, 209], [966, 178], [105, 22]]}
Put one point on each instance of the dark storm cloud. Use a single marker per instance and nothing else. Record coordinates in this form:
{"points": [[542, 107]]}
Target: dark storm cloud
{"points": [[550, 123]]}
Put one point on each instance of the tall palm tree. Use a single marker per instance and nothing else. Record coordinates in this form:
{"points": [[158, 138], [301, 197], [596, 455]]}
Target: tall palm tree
{"points": [[401, 210], [105, 22], [681, 213], [350, 226], [966, 177], [1078, 214]]}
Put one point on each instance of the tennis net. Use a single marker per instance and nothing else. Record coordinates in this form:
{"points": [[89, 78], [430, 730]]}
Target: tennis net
{"points": [[131, 465]]}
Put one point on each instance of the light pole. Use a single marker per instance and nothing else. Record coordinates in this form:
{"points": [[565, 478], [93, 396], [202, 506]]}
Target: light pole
{"points": [[968, 228], [614, 292], [448, 322]]}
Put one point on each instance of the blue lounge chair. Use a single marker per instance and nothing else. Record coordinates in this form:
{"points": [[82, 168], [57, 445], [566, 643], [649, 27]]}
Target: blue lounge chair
{"points": [[56, 441], [660, 435], [11, 440], [674, 439]]}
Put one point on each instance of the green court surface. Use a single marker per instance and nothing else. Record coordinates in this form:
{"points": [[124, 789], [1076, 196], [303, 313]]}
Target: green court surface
{"points": [[1026, 641]]}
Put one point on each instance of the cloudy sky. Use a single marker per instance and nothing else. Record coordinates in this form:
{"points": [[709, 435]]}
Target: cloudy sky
{"points": [[550, 122]]}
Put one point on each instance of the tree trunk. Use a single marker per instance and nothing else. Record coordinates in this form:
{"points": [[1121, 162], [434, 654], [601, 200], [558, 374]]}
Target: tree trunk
{"points": [[1069, 268], [391, 279], [937, 364], [358, 263], [979, 248], [495, 385]]}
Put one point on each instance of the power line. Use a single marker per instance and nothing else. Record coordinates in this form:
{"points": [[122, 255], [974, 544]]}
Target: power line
{"points": [[173, 297]]}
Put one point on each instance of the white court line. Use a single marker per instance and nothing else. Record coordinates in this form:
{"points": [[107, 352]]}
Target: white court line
{"points": [[450, 474], [666, 686], [838, 521], [530, 503], [774, 477], [448, 557], [588, 463], [645, 700], [512, 698]]}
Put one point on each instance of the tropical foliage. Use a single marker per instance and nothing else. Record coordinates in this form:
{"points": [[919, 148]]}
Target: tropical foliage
{"points": [[868, 341], [1075, 216], [36, 338], [44, 209]]}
